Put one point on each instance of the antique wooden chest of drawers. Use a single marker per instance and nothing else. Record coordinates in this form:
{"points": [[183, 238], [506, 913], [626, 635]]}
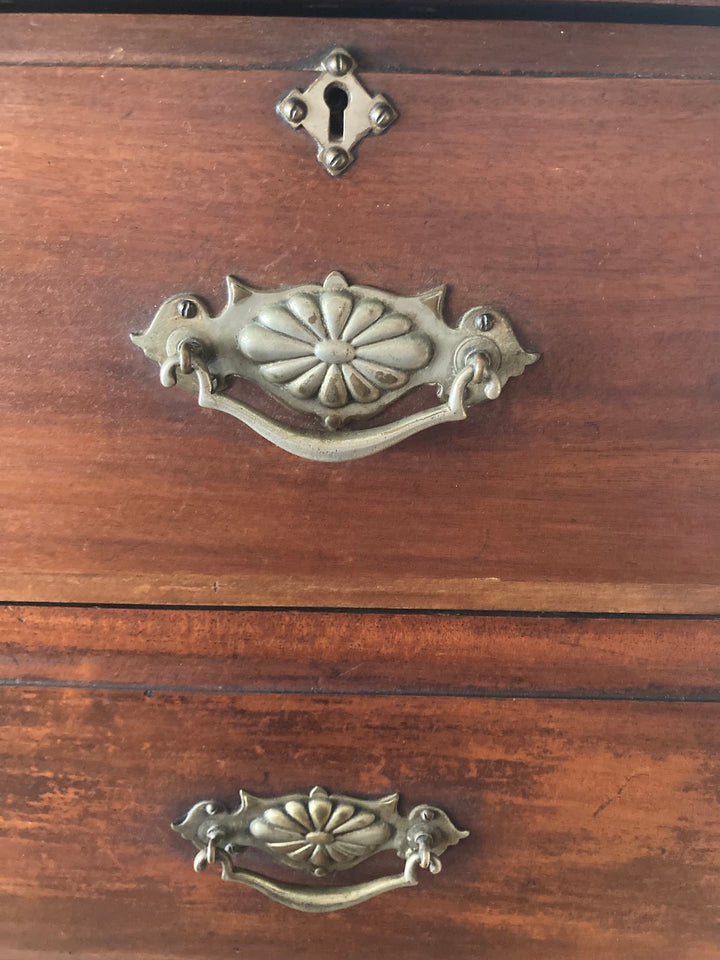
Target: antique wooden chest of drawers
{"points": [[513, 616]]}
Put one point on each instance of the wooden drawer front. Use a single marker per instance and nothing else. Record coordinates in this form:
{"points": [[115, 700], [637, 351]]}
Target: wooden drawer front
{"points": [[590, 823], [584, 206], [591, 807]]}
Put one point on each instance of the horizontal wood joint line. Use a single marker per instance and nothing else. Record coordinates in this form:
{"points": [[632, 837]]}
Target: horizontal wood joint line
{"points": [[588, 11], [705, 696], [678, 74], [380, 610]]}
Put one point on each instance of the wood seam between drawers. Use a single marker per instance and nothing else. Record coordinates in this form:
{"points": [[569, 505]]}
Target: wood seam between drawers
{"points": [[386, 611], [641, 12], [151, 690], [399, 71]]}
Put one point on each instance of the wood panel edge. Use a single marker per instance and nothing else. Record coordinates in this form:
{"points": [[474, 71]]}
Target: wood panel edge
{"points": [[393, 593], [389, 46], [421, 654]]}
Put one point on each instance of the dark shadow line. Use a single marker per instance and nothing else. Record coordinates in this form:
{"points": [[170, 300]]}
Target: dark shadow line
{"points": [[638, 696], [610, 11], [380, 611], [390, 70]]}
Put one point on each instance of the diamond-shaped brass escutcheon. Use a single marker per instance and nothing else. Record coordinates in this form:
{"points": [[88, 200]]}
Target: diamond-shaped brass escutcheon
{"points": [[337, 111]]}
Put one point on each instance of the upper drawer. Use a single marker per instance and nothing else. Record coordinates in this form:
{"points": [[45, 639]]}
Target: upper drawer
{"points": [[530, 169]]}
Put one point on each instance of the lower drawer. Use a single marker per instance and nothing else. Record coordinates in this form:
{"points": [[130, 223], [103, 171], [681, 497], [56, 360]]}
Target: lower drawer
{"points": [[592, 823]]}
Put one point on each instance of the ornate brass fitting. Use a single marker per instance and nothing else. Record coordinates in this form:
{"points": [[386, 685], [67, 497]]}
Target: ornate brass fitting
{"points": [[318, 833]]}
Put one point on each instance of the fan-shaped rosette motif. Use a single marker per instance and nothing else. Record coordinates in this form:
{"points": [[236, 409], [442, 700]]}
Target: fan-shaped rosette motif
{"points": [[319, 833], [335, 346]]}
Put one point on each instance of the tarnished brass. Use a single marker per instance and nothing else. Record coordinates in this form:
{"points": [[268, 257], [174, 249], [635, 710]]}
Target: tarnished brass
{"points": [[337, 111], [335, 351], [320, 834]]}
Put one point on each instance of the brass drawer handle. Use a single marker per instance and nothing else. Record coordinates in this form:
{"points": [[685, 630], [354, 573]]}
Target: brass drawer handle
{"points": [[319, 834], [338, 352]]}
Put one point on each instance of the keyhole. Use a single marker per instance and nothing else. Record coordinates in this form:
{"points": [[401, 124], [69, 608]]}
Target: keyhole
{"points": [[337, 100]]}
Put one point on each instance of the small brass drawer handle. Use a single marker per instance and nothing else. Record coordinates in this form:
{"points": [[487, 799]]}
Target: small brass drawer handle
{"points": [[338, 352], [319, 834]]}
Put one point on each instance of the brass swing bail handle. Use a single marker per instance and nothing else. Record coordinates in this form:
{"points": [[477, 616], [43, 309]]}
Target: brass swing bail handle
{"points": [[336, 352], [320, 834]]}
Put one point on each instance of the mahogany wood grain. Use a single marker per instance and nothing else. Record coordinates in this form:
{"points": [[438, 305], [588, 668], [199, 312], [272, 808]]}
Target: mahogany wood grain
{"points": [[351, 652], [593, 825], [278, 43], [585, 207]]}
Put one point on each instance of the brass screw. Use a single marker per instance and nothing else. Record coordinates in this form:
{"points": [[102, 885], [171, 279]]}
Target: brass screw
{"points": [[381, 115], [338, 63], [294, 110], [336, 159], [484, 322]]}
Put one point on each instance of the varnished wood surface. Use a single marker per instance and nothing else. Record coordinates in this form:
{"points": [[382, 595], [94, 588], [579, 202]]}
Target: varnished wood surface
{"points": [[593, 825], [577, 49], [585, 207], [350, 652]]}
